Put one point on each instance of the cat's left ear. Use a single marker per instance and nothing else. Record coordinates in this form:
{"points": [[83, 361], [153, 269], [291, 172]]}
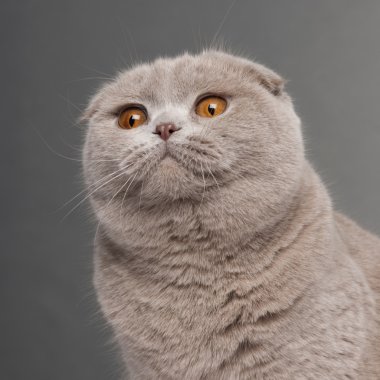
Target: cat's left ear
{"points": [[267, 78]]}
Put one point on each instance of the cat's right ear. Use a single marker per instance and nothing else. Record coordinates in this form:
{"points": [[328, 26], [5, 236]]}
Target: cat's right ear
{"points": [[90, 110]]}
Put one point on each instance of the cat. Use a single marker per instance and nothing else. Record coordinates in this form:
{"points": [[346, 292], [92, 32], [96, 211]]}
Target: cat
{"points": [[218, 254]]}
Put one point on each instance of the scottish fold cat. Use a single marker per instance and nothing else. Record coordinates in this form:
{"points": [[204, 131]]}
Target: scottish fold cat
{"points": [[218, 254]]}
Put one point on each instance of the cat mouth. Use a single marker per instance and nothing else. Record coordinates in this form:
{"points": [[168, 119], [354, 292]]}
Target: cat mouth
{"points": [[178, 170], [186, 159], [186, 164], [193, 158], [169, 161]]}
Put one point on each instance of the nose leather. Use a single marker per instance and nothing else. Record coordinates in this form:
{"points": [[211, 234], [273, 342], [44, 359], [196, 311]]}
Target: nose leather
{"points": [[165, 130]]}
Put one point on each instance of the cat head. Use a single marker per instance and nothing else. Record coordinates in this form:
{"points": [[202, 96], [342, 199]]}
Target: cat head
{"points": [[181, 129]]}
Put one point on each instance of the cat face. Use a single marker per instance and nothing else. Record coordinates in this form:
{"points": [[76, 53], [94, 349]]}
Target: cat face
{"points": [[182, 128]]}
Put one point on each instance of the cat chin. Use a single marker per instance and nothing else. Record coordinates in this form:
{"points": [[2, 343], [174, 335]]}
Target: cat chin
{"points": [[171, 181], [169, 166]]}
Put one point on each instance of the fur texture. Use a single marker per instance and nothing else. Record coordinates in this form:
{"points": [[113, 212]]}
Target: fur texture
{"points": [[218, 254]]}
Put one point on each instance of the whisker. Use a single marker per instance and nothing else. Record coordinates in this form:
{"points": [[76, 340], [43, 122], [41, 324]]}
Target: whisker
{"points": [[92, 185], [108, 204], [212, 175], [135, 58], [95, 70], [122, 202], [205, 130], [222, 22], [88, 78], [121, 209], [64, 156], [92, 192], [204, 187], [142, 184], [51, 149], [78, 149], [68, 101], [217, 184], [96, 231]]}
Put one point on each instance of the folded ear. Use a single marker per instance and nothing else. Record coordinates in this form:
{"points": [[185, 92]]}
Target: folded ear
{"points": [[267, 78], [90, 110]]}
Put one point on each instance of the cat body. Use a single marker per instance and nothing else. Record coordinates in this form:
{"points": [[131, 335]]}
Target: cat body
{"points": [[218, 253]]}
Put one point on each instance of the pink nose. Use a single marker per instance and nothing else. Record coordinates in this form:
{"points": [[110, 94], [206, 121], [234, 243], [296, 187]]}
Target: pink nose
{"points": [[165, 130]]}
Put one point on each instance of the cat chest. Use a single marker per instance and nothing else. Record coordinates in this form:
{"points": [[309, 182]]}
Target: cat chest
{"points": [[216, 329], [191, 328]]}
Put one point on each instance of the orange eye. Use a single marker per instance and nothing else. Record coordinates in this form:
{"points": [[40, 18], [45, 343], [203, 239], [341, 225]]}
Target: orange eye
{"points": [[131, 117], [211, 106]]}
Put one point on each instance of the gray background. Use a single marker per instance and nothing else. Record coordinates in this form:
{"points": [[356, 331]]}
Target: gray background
{"points": [[55, 54]]}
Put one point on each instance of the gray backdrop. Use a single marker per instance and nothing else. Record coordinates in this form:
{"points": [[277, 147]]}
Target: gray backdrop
{"points": [[55, 54]]}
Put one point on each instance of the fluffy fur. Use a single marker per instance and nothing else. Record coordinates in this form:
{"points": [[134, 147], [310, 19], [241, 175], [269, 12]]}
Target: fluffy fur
{"points": [[218, 254]]}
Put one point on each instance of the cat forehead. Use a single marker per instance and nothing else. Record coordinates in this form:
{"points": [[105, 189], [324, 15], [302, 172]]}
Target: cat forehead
{"points": [[182, 79], [177, 77], [182, 66]]}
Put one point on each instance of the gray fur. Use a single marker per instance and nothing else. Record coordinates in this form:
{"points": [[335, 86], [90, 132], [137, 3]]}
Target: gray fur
{"points": [[219, 256]]}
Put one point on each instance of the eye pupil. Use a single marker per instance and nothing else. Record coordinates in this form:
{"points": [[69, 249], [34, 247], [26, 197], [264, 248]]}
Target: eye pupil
{"points": [[211, 106], [133, 119]]}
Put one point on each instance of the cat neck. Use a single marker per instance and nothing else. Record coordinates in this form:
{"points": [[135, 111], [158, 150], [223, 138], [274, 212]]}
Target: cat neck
{"points": [[274, 265], [203, 237]]}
